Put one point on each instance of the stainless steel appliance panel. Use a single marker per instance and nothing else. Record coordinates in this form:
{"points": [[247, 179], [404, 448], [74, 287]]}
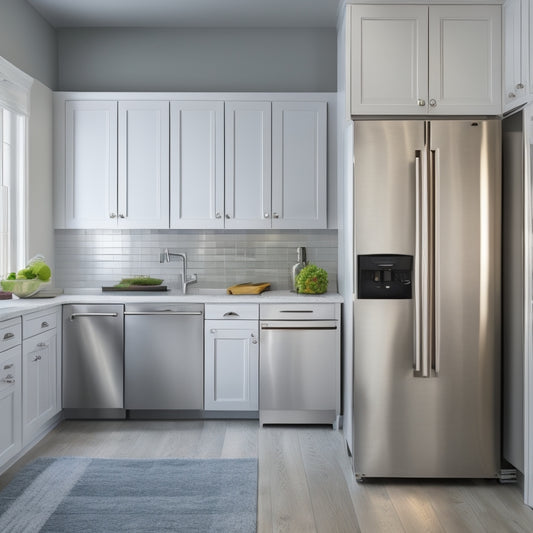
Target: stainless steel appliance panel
{"points": [[446, 424], [164, 356], [93, 356]]}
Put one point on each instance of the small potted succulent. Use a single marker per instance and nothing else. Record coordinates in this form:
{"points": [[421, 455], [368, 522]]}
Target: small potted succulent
{"points": [[312, 280]]}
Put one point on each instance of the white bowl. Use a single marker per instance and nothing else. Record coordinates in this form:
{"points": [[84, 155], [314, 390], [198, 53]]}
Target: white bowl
{"points": [[23, 288]]}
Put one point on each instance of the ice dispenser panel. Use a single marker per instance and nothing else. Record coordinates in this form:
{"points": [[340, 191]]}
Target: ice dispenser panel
{"points": [[384, 277]]}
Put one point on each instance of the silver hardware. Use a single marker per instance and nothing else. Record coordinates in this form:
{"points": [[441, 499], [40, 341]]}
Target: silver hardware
{"points": [[230, 313], [520, 86], [163, 313], [8, 336], [296, 311], [121, 216], [37, 358], [433, 102], [420, 102], [266, 215], [112, 215], [275, 215], [44, 324], [228, 216], [512, 95], [165, 256], [218, 215], [7, 367], [213, 331], [254, 341], [78, 315], [9, 379], [42, 345]]}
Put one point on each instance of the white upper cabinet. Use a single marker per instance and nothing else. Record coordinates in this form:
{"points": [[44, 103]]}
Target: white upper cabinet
{"points": [[248, 165], [116, 164], [143, 156], [418, 60], [299, 165], [388, 59], [90, 164], [197, 164], [515, 53]]}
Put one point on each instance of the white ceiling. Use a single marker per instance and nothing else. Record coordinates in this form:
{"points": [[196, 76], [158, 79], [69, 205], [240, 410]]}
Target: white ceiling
{"points": [[188, 13]]}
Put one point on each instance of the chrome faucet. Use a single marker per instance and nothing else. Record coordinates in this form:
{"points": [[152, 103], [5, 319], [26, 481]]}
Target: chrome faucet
{"points": [[165, 256]]}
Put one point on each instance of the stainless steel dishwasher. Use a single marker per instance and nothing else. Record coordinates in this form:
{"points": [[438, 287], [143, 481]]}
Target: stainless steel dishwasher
{"points": [[299, 364], [93, 361], [163, 356]]}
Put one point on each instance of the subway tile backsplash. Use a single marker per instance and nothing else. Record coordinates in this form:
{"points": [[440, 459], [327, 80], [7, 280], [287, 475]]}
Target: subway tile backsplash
{"points": [[94, 258]]}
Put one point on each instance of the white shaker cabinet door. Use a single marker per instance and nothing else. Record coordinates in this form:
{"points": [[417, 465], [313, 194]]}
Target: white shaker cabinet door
{"points": [[465, 59], [299, 165], [231, 365], [91, 164], [248, 165], [196, 164], [143, 177], [388, 59]]}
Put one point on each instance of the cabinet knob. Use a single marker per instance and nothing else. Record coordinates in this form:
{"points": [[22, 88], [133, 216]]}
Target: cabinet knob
{"points": [[121, 216], [112, 215], [275, 215], [433, 102], [7, 367], [8, 335], [37, 358], [512, 95], [42, 345], [44, 324], [421, 102], [228, 216], [266, 215], [9, 379], [520, 86], [218, 215]]}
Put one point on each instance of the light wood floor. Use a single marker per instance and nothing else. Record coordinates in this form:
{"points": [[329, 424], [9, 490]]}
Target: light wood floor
{"points": [[305, 478]]}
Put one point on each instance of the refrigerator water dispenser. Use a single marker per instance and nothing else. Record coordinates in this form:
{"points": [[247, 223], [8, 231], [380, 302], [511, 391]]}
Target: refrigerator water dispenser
{"points": [[384, 277]]}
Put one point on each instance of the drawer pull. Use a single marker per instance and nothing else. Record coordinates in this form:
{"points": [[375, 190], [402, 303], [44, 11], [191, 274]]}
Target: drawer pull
{"points": [[296, 311], [42, 345], [8, 336], [231, 313], [44, 324], [37, 358], [7, 367]]}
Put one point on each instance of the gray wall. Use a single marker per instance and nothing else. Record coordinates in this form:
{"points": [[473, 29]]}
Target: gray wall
{"points": [[28, 41], [199, 59]]}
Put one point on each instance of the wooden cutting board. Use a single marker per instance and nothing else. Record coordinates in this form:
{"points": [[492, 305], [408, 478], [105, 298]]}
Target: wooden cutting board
{"points": [[248, 288]]}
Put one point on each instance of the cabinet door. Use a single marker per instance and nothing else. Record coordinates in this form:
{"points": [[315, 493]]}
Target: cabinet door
{"points": [[231, 365], [197, 165], [299, 173], [91, 164], [465, 60], [39, 383], [143, 156], [248, 165], [388, 62], [10, 404]]}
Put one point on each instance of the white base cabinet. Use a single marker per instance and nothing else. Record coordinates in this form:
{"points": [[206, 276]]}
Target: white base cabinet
{"points": [[231, 366]]}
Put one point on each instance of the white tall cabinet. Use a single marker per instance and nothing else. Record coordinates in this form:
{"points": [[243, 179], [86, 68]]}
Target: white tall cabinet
{"points": [[417, 60]]}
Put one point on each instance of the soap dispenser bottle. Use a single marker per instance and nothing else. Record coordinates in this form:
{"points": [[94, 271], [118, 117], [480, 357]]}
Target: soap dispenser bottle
{"points": [[297, 267]]}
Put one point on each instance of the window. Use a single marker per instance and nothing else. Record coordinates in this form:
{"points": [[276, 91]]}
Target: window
{"points": [[14, 107]]}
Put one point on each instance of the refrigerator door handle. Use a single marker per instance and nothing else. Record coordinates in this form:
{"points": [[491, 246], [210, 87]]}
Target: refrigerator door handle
{"points": [[434, 309], [417, 266]]}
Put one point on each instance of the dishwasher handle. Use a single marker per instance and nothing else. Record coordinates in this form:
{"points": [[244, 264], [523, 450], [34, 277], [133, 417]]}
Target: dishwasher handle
{"points": [[300, 324], [164, 313], [73, 316]]}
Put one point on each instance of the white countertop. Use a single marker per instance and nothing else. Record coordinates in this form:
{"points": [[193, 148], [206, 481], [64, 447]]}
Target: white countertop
{"points": [[18, 306]]}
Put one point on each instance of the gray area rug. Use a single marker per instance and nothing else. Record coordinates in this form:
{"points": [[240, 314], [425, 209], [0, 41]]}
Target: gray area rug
{"points": [[72, 495]]}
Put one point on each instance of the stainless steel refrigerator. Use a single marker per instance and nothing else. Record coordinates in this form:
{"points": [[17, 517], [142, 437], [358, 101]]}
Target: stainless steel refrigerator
{"points": [[427, 215]]}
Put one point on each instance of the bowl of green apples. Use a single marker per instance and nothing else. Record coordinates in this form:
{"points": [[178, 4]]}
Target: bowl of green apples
{"points": [[28, 280]]}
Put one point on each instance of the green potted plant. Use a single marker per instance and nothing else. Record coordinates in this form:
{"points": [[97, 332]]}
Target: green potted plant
{"points": [[312, 280]]}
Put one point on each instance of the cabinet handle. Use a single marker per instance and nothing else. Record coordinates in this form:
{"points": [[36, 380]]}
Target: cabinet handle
{"points": [[121, 216], [421, 102], [231, 313], [512, 95], [266, 215], [112, 215], [44, 324], [228, 216], [7, 367], [254, 340], [36, 358], [9, 379], [433, 102], [42, 345], [8, 336], [218, 215], [520, 86]]}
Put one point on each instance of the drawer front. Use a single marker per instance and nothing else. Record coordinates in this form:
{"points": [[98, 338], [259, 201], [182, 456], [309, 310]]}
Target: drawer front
{"points": [[10, 334], [299, 311], [39, 323], [10, 369], [232, 311]]}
